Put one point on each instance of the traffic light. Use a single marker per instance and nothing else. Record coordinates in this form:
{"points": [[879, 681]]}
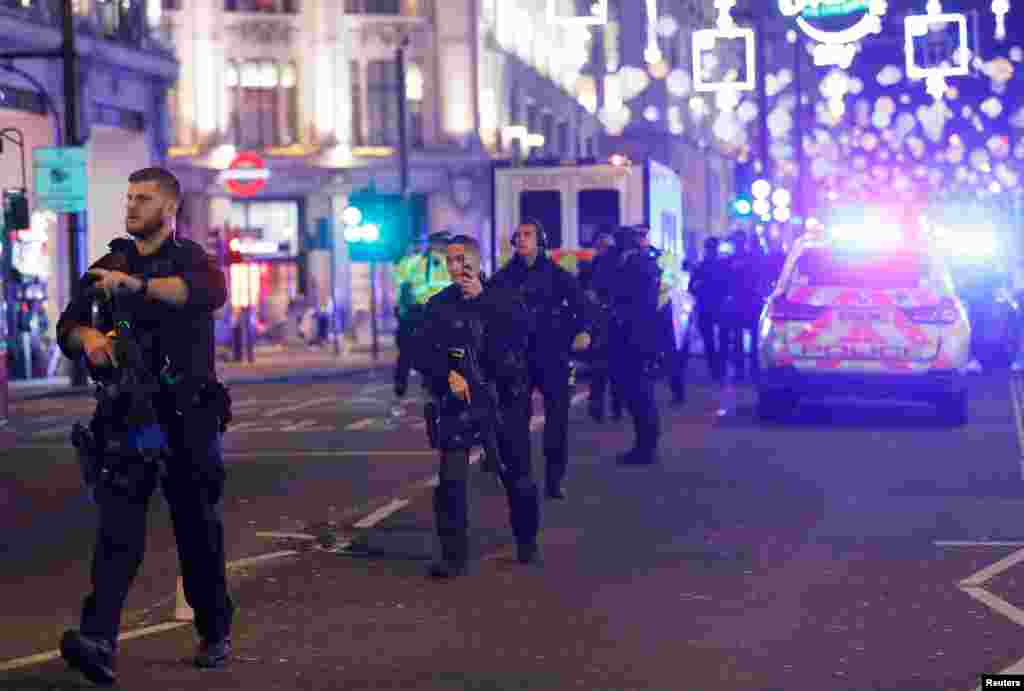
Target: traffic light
{"points": [[742, 207], [16, 216], [377, 226]]}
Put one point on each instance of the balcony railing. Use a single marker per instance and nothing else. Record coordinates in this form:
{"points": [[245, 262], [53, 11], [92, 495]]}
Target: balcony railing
{"points": [[112, 20]]}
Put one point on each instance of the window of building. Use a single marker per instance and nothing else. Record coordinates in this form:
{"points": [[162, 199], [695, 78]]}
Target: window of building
{"points": [[414, 103], [544, 206], [357, 103], [271, 6], [262, 103], [373, 6], [548, 130], [382, 102], [598, 212], [532, 117], [563, 139]]}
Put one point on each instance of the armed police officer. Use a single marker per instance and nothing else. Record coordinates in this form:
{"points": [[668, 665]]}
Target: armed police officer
{"points": [[472, 352], [558, 324], [673, 362], [419, 277], [605, 257], [166, 289], [635, 339]]}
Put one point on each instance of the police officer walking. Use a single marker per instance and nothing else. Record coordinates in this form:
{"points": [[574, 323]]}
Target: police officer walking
{"points": [[599, 301], [670, 280], [558, 323], [635, 341], [709, 284], [419, 277], [743, 307], [473, 312], [170, 288]]}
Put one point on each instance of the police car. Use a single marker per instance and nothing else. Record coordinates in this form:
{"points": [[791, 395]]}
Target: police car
{"points": [[867, 310]]}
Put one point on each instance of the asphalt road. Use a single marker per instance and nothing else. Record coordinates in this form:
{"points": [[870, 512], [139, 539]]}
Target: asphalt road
{"points": [[857, 546]]}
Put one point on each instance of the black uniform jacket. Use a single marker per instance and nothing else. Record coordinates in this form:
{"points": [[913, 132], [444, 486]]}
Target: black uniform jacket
{"points": [[185, 334], [631, 280], [502, 354], [554, 299]]}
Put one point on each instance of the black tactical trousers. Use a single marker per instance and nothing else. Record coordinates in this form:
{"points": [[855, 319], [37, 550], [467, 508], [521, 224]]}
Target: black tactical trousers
{"points": [[404, 339], [193, 488], [549, 373], [599, 388], [714, 337], [637, 388], [451, 496]]}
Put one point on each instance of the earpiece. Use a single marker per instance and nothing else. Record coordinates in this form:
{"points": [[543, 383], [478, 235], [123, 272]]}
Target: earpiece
{"points": [[542, 236]]}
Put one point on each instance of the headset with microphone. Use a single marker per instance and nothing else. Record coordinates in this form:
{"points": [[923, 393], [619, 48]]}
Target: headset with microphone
{"points": [[542, 236]]}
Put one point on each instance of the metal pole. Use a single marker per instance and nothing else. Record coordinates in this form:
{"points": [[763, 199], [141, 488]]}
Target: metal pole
{"points": [[76, 229], [334, 288], [374, 345], [403, 139], [762, 100], [798, 131]]}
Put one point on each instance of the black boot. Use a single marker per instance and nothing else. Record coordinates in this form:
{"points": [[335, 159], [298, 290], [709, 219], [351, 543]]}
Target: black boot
{"points": [[93, 657], [528, 553], [442, 569], [638, 457]]}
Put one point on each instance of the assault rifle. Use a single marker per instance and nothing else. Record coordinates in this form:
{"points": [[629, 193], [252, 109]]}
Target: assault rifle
{"points": [[125, 424]]}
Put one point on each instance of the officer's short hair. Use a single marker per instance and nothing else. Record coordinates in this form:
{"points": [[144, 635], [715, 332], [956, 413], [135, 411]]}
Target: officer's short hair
{"points": [[471, 244], [164, 178]]}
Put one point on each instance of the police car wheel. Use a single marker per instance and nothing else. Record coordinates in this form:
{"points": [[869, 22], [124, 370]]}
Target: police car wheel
{"points": [[952, 409], [775, 406]]}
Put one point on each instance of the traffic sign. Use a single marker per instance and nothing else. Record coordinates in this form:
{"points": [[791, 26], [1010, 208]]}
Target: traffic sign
{"points": [[246, 176], [60, 178]]}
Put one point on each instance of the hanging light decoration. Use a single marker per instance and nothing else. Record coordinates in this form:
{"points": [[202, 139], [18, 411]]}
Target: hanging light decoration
{"points": [[917, 26], [1000, 8], [704, 42]]}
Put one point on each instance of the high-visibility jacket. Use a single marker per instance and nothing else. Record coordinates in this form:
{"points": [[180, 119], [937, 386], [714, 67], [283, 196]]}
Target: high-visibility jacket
{"points": [[672, 278], [425, 282]]}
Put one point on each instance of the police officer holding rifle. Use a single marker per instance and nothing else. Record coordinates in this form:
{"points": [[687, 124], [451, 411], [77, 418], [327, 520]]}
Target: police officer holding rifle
{"points": [[472, 353], [160, 417]]}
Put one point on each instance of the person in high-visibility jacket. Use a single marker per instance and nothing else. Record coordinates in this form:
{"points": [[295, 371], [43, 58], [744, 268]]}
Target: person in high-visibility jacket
{"points": [[419, 277]]}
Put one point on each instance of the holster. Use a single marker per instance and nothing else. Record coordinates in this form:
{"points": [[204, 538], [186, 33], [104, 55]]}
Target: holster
{"points": [[432, 418]]}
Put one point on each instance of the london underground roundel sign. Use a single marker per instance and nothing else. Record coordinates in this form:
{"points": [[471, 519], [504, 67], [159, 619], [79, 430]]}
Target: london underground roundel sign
{"points": [[246, 176]]}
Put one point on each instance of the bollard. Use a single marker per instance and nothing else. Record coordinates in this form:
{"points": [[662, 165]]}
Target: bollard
{"points": [[182, 610]]}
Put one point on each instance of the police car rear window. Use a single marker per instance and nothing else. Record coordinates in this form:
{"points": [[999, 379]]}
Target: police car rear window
{"points": [[823, 267]]}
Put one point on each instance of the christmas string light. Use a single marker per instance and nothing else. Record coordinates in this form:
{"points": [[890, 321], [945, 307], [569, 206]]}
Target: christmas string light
{"points": [[704, 41]]}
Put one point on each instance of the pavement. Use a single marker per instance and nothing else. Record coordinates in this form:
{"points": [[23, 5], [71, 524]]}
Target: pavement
{"points": [[856, 546], [270, 364]]}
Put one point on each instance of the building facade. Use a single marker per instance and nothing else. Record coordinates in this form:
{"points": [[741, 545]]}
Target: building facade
{"points": [[307, 92], [125, 70]]}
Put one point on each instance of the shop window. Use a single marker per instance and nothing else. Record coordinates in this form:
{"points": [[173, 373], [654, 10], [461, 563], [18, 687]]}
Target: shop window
{"points": [[544, 206], [598, 212], [262, 103], [268, 6], [373, 6], [357, 103]]}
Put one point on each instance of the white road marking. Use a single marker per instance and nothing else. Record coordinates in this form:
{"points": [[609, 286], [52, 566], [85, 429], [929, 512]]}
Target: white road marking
{"points": [[1018, 416], [307, 426], [975, 543], [273, 534], [972, 586], [359, 424], [382, 513], [249, 561], [311, 403], [289, 453], [39, 658], [253, 402], [53, 431], [990, 572]]}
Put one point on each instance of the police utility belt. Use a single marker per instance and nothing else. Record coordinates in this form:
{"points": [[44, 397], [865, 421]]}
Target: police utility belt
{"points": [[453, 424], [126, 457]]}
